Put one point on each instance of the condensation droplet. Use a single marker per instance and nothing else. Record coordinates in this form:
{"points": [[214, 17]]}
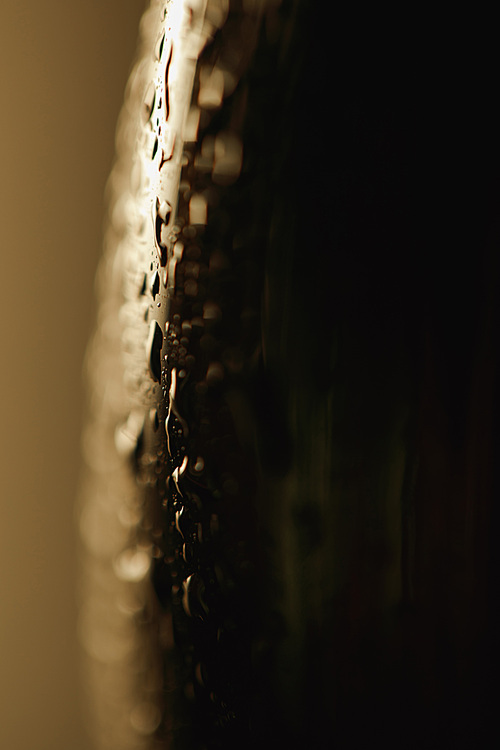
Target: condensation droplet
{"points": [[160, 44], [198, 209], [132, 565], [163, 213], [155, 284], [179, 522], [129, 516], [192, 599], [178, 250], [204, 160], [187, 553], [155, 148], [128, 434], [192, 125], [228, 158], [145, 718], [167, 90], [164, 210], [154, 346], [197, 322], [153, 416], [149, 101], [168, 147], [199, 465], [211, 311], [173, 385], [211, 91], [178, 472], [215, 373]]}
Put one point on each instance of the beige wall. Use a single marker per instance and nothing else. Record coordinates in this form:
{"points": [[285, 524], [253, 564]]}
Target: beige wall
{"points": [[63, 68]]}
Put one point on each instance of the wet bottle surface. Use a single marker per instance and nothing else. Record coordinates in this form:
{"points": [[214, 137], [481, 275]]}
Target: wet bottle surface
{"points": [[273, 364]]}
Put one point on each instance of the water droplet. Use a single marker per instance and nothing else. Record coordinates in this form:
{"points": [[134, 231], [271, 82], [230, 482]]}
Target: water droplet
{"points": [[167, 90], [198, 209], [155, 148], [211, 91], [149, 101], [132, 565], [186, 330], [182, 522], [164, 210], [127, 435], [188, 553], [179, 471], [155, 284], [204, 160], [199, 465], [159, 46], [168, 147], [192, 125], [129, 516], [154, 346], [153, 416], [228, 158], [173, 385], [163, 213], [145, 718], [215, 373], [175, 426], [211, 311], [129, 604], [230, 81], [192, 599]]}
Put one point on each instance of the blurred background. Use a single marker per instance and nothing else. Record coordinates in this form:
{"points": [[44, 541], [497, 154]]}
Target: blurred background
{"points": [[63, 69]]}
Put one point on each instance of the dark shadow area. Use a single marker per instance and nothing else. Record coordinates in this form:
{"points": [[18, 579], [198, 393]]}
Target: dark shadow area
{"points": [[382, 296]]}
